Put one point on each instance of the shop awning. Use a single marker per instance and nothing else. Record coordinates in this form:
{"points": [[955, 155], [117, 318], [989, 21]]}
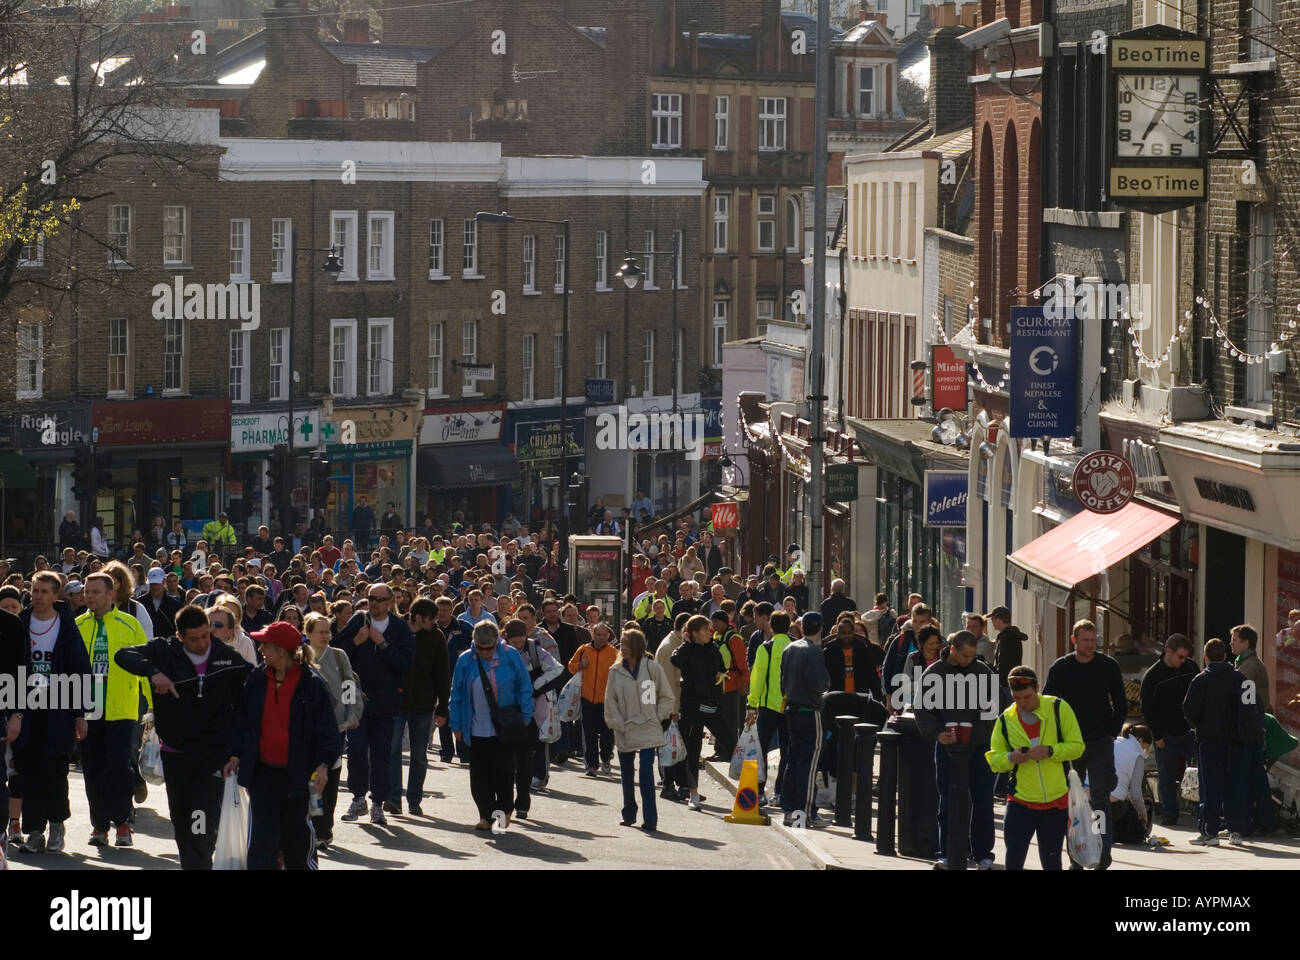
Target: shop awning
{"points": [[1082, 547], [16, 472], [466, 465]]}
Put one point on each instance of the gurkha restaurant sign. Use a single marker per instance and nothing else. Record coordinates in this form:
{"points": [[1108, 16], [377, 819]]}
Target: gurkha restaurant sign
{"points": [[539, 441]]}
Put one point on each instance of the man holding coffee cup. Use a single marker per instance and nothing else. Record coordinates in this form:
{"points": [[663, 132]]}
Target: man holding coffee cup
{"points": [[955, 707]]}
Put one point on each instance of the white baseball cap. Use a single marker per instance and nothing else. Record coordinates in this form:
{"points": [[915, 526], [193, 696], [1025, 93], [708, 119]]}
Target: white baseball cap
{"points": [[157, 575]]}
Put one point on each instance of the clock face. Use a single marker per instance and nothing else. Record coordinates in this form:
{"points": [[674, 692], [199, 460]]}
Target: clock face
{"points": [[1157, 115]]}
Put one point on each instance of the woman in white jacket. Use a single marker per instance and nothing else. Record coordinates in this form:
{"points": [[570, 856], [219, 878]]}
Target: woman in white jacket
{"points": [[639, 702], [543, 669]]}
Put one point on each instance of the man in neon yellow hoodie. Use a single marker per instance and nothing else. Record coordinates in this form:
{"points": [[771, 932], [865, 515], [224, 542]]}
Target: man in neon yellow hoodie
{"points": [[1035, 737]]}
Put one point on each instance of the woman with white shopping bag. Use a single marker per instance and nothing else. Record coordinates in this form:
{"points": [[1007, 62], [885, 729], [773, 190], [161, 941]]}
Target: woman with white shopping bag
{"points": [[1033, 739], [334, 667], [638, 699], [543, 669]]}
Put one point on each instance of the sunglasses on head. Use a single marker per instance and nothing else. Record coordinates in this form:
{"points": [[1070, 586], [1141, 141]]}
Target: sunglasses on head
{"points": [[1019, 683], [218, 624]]}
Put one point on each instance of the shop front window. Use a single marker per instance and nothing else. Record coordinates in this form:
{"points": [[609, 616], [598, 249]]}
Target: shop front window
{"points": [[1162, 594], [1286, 697]]}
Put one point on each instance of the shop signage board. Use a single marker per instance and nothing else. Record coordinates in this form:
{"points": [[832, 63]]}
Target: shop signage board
{"points": [[379, 433], [948, 379], [1103, 481], [155, 422], [726, 515], [1044, 384], [946, 492], [539, 440], [841, 483], [254, 432], [600, 392], [474, 425]]}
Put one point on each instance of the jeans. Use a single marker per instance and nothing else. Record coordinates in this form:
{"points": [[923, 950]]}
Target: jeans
{"points": [[772, 726], [279, 823], [1098, 765], [369, 746], [1249, 782], [626, 773], [1019, 824], [1178, 749], [420, 724], [191, 787], [106, 768], [600, 739], [491, 776], [799, 787], [981, 803]]}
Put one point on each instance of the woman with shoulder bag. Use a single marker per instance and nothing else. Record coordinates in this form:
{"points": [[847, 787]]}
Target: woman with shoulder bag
{"points": [[638, 699], [334, 667]]}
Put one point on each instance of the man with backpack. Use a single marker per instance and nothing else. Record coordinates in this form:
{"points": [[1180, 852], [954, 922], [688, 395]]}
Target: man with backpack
{"points": [[1217, 711]]}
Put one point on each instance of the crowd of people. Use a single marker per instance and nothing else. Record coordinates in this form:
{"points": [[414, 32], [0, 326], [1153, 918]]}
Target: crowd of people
{"points": [[273, 665]]}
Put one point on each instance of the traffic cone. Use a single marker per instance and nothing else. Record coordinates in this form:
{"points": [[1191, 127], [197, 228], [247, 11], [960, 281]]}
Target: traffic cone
{"points": [[745, 809]]}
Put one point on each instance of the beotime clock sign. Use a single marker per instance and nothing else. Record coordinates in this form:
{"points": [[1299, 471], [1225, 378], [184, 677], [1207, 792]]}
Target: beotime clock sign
{"points": [[1159, 106]]}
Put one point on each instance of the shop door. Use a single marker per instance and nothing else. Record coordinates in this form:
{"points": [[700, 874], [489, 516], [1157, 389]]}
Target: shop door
{"points": [[1225, 596], [338, 508]]}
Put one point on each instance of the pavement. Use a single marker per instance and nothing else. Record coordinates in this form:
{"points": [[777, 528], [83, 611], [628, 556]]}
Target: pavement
{"points": [[575, 823]]}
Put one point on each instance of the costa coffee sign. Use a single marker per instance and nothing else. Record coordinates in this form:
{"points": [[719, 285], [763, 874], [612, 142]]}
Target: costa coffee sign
{"points": [[1104, 482]]}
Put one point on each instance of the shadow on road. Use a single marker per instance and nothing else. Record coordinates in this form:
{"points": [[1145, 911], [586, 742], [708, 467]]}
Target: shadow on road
{"points": [[397, 837], [522, 845]]}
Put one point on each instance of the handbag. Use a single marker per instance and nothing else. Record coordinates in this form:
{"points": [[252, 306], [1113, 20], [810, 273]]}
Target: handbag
{"points": [[509, 720]]}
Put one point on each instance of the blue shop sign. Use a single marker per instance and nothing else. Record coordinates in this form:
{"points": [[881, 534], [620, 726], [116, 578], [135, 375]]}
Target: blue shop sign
{"points": [[1044, 384], [945, 498]]}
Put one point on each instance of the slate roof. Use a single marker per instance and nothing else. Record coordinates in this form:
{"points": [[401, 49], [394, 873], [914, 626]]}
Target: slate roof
{"points": [[383, 64]]}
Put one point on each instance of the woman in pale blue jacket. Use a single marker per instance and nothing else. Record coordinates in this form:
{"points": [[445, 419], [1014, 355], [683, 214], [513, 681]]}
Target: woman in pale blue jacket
{"points": [[491, 761]]}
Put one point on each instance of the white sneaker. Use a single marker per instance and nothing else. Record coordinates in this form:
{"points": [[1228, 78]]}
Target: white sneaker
{"points": [[58, 837], [355, 810], [941, 864], [1234, 839], [1204, 841], [694, 802]]}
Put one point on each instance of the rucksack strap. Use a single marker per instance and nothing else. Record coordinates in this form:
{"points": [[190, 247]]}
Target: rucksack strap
{"points": [[1057, 709]]}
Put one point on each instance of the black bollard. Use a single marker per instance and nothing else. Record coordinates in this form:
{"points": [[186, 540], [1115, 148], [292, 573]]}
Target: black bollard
{"points": [[844, 772], [959, 811], [890, 741], [862, 761]]}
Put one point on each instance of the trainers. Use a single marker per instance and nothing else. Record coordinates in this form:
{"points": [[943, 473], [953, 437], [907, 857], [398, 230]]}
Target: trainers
{"points": [[985, 864], [357, 808], [35, 843], [98, 838], [414, 810], [537, 784], [787, 820], [58, 838], [124, 836], [392, 806], [606, 769], [15, 834], [694, 802], [591, 771], [377, 815], [1234, 839], [1204, 841], [941, 864], [763, 801]]}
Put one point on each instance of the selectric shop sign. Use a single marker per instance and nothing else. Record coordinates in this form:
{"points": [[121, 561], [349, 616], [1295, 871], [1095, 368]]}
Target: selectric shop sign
{"points": [[945, 498], [1044, 374]]}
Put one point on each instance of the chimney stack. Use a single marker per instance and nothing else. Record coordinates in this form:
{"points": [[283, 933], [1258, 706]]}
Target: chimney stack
{"points": [[356, 31], [950, 95]]}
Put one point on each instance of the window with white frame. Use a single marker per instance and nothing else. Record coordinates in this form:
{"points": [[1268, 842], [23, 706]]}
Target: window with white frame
{"points": [[528, 365], [793, 226], [557, 354], [379, 356], [601, 358], [279, 361], [647, 362], [390, 108], [176, 234], [866, 91], [119, 233], [1263, 31], [602, 260], [721, 220], [559, 263], [118, 345], [771, 123], [173, 355], [343, 238], [239, 372], [437, 249], [31, 360], [343, 358], [721, 120], [281, 250], [767, 222], [32, 254], [1259, 312], [436, 333], [240, 255], [529, 267], [471, 248], [469, 351], [719, 330], [379, 245], [678, 268], [648, 244], [666, 120], [764, 314]]}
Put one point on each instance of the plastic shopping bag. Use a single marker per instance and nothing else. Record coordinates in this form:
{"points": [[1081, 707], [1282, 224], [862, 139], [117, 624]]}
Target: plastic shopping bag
{"points": [[569, 706], [1085, 841], [549, 731], [1191, 788], [151, 767], [232, 832], [673, 751], [748, 748]]}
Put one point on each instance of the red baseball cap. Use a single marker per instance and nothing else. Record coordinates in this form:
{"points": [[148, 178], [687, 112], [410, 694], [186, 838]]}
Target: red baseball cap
{"points": [[282, 634]]}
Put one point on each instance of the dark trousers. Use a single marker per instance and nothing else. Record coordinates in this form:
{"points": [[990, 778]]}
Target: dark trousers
{"points": [[627, 772], [368, 751], [692, 725], [1097, 766], [491, 776], [1019, 824], [1170, 760], [1249, 782], [542, 762], [600, 739], [981, 803], [729, 706], [523, 752], [323, 826], [106, 767], [772, 727], [279, 823], [419, 724], [448, 747], [44, 786], [799, 787], [192, 788], [1219, 796]]}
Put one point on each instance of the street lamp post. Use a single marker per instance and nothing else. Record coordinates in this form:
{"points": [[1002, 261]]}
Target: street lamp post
{"points": [[630, 273], [503, 217]]}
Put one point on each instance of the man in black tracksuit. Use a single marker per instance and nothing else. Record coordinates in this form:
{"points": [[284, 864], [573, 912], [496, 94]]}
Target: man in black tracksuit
{"points": [[702, 670], [1093, 685], [1213, 707], [1164, 687], [198, 682], [804, 682]]}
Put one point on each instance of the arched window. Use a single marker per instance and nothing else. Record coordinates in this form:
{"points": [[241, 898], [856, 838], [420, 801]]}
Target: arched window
{"points": [[793, 225]]}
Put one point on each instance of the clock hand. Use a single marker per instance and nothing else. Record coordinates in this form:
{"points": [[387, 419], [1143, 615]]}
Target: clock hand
{"points": [[1159, 113]]}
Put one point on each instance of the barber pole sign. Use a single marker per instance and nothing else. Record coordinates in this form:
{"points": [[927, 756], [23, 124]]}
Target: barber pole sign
{"points": [[726, 515]]}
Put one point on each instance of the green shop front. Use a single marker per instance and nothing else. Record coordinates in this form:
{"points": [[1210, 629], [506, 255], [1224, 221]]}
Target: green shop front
{"points": [[370, 454]]}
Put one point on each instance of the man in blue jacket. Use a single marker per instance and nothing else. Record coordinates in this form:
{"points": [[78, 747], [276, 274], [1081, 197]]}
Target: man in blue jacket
{"points": [[381, 648]]}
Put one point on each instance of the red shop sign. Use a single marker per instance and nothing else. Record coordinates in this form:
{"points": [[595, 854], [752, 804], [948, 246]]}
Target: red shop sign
{"points": [[138, 422], [949, 378]]}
